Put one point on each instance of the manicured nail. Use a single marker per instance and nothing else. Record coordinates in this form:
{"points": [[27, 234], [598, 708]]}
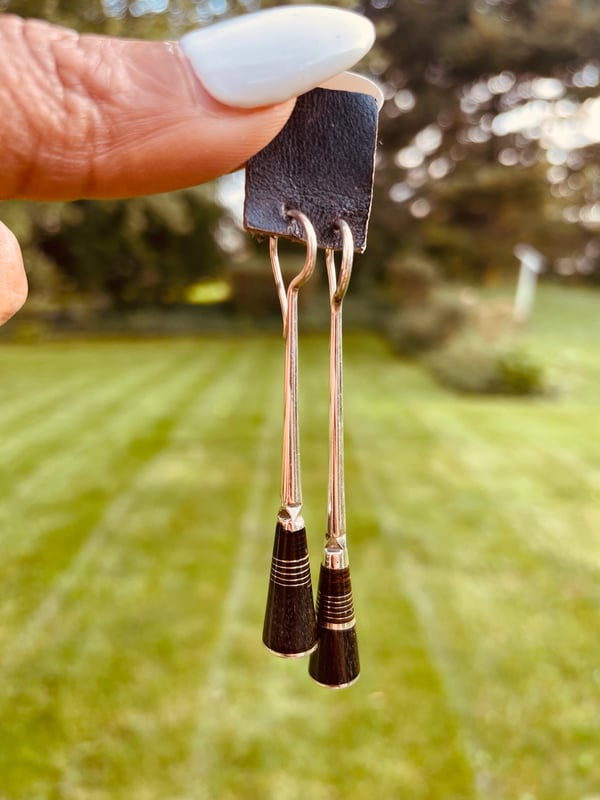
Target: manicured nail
{"points": [[351, 82], [264, 58]]}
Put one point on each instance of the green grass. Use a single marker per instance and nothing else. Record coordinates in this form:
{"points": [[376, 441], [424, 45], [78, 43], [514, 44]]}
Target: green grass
{"points": [[140, 488]]}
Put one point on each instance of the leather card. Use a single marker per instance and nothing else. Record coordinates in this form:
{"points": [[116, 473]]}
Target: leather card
{"points": [[322, 163]]}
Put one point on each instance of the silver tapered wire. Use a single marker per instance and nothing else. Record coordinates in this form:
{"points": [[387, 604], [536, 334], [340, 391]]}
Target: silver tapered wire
{"points": [[335, 550], [290, 514]]}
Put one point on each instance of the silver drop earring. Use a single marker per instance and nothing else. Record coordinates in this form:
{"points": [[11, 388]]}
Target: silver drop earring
{"points": [[289, 626], [335, 662]]}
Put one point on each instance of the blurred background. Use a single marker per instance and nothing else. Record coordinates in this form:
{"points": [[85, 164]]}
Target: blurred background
{"points": [[140, 417]]}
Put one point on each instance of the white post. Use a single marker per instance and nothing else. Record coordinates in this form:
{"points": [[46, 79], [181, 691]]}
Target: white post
{"points": [[532, 263]]}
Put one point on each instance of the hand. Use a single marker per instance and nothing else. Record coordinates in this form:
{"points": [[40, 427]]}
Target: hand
{"points": [[95, 116]]}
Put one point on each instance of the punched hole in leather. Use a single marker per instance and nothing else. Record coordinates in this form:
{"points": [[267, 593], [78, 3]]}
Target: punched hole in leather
{"points": [[322, 163]]}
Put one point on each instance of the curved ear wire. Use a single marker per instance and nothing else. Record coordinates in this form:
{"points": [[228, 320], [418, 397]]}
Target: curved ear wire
{"points": [[338, 284], [307, 270]]}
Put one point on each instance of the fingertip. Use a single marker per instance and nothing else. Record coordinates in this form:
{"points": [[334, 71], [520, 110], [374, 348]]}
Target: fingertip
{"points": [[219, 138], [13, 281]]}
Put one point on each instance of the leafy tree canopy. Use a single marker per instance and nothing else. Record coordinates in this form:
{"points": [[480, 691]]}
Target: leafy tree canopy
{"points": [[487, 135]]}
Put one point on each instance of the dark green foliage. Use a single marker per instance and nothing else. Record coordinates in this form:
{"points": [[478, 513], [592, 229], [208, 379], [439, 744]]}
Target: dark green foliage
{"points": [[143, 19], [253, 291], [418, 329], [435, 47], [26, 329], [410, 279], [520, 372], [144, 251], [474, 366], [436, 50], [481, 211]]}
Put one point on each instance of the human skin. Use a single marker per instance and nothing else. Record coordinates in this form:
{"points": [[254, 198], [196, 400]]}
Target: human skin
{"points": [[94, 116]]}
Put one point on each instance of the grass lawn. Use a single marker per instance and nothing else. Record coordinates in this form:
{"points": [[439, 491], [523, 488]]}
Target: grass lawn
{"points": [[140, 485]]}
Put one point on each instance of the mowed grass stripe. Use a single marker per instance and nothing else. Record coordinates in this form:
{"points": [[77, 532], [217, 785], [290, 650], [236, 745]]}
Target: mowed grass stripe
{"points": [[26, 449], [473, 557], [23, 369], [110, 638], [61, 500], [59, 457], [34, 379], [393, 614], [203, 768], [465, 463], [543, 468], [24, 406], [522, 606], [133, 399], [379, 721], [431, 686], [394, 453], [62, 514], [103, 370]]}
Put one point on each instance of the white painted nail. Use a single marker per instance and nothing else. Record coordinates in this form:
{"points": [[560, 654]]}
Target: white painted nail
{"points": [[351, 82], [267, 57]]}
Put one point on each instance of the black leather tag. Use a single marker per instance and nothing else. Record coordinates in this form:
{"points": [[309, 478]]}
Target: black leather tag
{"points": [[322, 164]]}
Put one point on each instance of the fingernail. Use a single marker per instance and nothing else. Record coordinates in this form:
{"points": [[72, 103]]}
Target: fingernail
{"points": [[270, 56], [351, 82]]}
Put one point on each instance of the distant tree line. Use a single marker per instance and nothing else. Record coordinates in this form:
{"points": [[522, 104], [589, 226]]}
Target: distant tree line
{"points": [[461, 177]]}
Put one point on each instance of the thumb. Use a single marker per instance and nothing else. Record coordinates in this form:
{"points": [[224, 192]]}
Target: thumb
{"points": [[95, 116], [13, 283]]}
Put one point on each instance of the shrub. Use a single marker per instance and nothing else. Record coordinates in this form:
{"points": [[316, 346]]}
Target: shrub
{"points": [[521, 373], [476, 367], [417, 330], [253, 291], [25, 329], [411, 280], [494, 319]]}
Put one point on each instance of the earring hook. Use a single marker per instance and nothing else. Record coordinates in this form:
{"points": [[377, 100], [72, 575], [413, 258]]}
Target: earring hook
{"points": [[338, 283], [307, 270]]}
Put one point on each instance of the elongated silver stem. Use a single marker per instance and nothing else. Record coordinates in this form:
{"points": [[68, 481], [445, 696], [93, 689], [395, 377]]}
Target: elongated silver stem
{"points": [[336, 506], [291, 487], [290, 512], [336, 555]]}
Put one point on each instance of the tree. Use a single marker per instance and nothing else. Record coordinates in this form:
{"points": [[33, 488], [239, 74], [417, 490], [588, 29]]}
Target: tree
{"points": [[145, 251], [463, 189], [459, 180]]}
